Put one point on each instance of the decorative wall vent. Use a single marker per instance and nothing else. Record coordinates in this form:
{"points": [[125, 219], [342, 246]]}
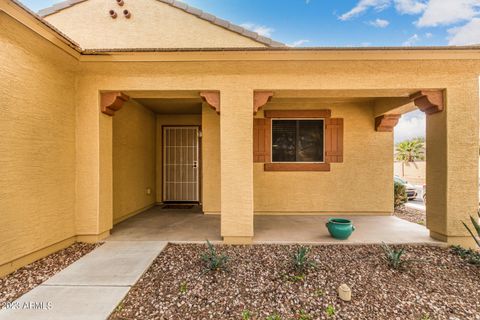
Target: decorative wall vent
{"points": [[127, 14], [120, 3], [113, 14]]}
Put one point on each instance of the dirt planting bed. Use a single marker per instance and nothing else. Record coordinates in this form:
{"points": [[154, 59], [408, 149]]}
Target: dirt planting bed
{"points": [[25, 279], [259, 283], [410, 214]]}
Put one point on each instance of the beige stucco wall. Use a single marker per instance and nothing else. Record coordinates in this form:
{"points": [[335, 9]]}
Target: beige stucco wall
{"points": [[153, 25], [169, 120], [37, 145], [134, 139], [362, 184]]}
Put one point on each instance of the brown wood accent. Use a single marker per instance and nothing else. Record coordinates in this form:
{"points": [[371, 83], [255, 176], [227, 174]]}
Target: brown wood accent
{"points": [[261, 98], [387, 122], [261, 140], [212, 98], [298, 113], [429, 101], [334, 140], [298, 166], [112, 101]]}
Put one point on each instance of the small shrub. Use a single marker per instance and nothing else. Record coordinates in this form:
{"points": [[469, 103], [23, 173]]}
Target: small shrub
{"points": [[471, 256], [183, 288], [394, 257], [477, 229], [301, 261], [274, 317], [213, 260], [330, 311], [246, 315], [400, 194]]}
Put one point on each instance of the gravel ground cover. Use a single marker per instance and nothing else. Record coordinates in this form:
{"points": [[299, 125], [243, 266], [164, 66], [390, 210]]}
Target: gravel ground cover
{"points": [[25, 279], [259, 279], [410, 214]]}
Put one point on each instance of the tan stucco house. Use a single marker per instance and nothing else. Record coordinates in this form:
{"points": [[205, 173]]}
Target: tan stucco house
{"points": [[111, 107]]}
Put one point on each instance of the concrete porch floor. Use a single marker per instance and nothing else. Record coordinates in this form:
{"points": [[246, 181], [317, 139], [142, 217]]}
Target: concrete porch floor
{"points": [[157, 224]]}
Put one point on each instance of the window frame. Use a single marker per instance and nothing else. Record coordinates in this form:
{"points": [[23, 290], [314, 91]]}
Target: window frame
{"points": [[298, 119]]}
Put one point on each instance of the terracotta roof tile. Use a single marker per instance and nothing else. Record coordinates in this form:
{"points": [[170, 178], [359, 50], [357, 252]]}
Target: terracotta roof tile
{"points": [[189, 9]]}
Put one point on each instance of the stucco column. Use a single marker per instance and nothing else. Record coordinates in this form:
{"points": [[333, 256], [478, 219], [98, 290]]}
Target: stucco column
{"points": [[93, 216], [452, 164], [236, 143]]}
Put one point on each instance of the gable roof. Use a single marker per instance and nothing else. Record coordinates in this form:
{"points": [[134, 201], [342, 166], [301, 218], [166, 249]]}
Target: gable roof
{"points": [[186, 8]]}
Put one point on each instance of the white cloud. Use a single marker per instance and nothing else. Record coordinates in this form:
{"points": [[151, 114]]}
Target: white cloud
{"points": [[466, 35], [261, 30], [410, 6], [364, 5], [379, 23], [411, 41], [299, 43], [446, 12], [411, 125]]}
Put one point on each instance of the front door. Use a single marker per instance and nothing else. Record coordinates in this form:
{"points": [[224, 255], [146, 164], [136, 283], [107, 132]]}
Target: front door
{"points": [[180, 164]]}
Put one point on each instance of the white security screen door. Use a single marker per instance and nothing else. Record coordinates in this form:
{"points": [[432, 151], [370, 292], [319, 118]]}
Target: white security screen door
{"points": [[180, 164]]}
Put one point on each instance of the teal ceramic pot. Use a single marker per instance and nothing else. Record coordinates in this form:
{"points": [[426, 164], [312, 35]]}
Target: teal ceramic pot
{"points": [[340, 228]]}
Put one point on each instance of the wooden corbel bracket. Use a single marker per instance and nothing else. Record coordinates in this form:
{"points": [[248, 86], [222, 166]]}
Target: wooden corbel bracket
{"points": [[261, 98], [112, 101], [429, 101], [386, 122], [212, 98]]}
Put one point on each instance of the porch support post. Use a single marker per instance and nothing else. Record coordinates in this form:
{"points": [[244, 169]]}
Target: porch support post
{"points": [[452, 164], [236, 140]]}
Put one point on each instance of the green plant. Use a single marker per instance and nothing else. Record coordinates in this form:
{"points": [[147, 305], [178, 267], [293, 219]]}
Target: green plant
{"points": [[426, 316], [471, 256], [394, 257], [273, 317], [246, 315], [302, 315], [400, 194], [477, 229], [213, 260], [183, 288], [301, 260], [410, 150], [330, 310], [296, 278], [319, 293]]}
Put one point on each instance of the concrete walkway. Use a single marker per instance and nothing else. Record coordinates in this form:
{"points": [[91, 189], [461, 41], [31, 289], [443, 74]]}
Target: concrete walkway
{"points": [[90, 288]]}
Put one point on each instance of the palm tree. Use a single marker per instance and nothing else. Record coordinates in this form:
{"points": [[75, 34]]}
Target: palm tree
{"points": [[410, 150]]}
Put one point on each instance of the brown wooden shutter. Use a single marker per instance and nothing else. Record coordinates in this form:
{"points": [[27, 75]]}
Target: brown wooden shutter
{"points": [[333, 140], [261, 140]]}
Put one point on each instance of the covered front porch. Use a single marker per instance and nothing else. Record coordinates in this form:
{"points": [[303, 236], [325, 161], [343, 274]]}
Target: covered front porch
{"points": [[191, 225]]}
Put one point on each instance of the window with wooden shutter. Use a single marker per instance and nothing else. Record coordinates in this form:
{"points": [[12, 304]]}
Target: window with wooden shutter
{"points": [[332, 144], [333, 140]]}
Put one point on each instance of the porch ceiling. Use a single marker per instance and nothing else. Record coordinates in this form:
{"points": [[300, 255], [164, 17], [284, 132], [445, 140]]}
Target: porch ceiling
{"points": [[172, 106]]}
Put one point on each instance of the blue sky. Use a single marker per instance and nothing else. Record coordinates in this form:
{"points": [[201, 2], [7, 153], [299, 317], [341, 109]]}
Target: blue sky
{"points": [[352, 23]]}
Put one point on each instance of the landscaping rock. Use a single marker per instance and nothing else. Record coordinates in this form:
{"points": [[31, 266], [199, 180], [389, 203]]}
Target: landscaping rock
{"points": [[258, 279], [345, 293]]}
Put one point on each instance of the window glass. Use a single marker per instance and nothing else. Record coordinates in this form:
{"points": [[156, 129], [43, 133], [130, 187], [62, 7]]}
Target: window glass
{"points": [[297, 140]]}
